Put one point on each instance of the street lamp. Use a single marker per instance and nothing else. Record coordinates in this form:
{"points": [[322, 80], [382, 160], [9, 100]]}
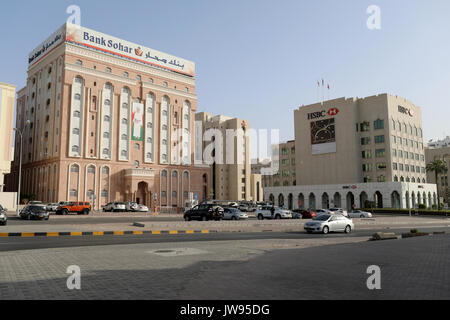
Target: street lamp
{"points": [[20, 166]]}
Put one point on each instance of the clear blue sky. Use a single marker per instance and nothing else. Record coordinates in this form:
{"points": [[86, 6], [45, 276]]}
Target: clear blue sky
{"points": [[260, 59]]}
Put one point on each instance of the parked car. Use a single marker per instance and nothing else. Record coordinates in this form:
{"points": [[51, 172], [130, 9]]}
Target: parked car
{"points": [[304, 214], [135, 207], [115, 207], [34, 212], [204, 212], [326, 223], [359, 214], [77, 207], [32, 203], [340, 211], [264, 212], [3, 216], [322, 211], [234, 214], [52, 207]]}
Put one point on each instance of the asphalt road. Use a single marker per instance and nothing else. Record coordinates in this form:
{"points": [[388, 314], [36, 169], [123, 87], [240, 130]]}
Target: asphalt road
{"points": [[18, 243], [15, 221]]}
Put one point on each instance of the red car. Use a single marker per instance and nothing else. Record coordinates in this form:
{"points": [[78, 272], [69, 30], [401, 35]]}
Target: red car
{"points": [[306, 214]]}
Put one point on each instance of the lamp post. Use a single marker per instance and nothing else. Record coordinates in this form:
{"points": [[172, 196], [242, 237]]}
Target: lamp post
{"points": [[20, 166]]}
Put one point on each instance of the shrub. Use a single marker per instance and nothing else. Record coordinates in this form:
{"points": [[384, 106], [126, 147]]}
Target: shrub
{"points": [[422, 206], [414, 231]]}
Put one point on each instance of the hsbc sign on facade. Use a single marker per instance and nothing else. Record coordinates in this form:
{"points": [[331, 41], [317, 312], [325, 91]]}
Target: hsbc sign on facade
{"points": [[406, 111], [320, 114]]}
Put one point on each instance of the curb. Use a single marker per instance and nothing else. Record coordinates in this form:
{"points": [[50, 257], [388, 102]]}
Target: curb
{"points": [[100, 233]]}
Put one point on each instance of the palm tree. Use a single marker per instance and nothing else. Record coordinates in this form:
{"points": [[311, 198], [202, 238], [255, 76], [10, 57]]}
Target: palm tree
{"points": [[438, 167]]}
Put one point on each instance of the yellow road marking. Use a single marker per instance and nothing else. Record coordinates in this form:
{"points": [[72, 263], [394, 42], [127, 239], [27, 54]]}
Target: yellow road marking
{"points": [[97, 233], [173, 232], [77, 234], [27, 234], [156, 232], [118, 233], [190, 231], [52, 234], [205, 231], [138, 232], [4, 235]]}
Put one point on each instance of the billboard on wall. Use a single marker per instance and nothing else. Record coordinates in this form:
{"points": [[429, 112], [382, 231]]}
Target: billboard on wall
{"points": [[111, 45], [323, 136], [137, 122]]}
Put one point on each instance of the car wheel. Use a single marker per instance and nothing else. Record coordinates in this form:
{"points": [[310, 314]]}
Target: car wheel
{"points": [[204, 218], [233, 218], [85, 212], [325, 230], [278, 217], [186, 218], [46, 219], [348, 229], [309, 232], [65, 212], [361, 216], [260, 217]]}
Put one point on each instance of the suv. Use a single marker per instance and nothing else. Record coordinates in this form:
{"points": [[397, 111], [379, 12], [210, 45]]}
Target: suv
{"points": [[204, 212], [78, 207], [265, 212], [3, 216], [115, 207]]}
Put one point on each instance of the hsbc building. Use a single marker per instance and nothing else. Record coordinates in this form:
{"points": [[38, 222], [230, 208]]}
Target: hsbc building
{"points": [[353, 150]]}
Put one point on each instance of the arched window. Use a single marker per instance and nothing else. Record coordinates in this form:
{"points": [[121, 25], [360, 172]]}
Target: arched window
{"points": [[124, 137], [137, 146], [149, 125], [149, 140], [106, 118], [106, 152], [136, 164], [164, 173], [108, 70], [106, 135], [165, 84], [76, 131], [79, 62], [73, 193], [123, 153], [124, 121], [125, 105], [75, 149], [126, 74], [77, 114], [105, 170], [174, 174], [74, 168], [91, 169], [107, 102]]}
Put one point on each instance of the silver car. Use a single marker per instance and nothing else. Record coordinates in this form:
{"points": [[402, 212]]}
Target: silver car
{"points": [[52, 207], [3, 216], [326, 223], [234, 214], [115, 206], [359, 214]]}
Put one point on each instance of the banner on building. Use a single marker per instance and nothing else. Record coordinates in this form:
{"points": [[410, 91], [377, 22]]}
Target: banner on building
{"points": [[137, 122], [323, 136]]}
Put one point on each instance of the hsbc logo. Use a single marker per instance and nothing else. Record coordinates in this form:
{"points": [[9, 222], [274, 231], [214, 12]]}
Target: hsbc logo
{"points": [[320, 114], [409, 112]]}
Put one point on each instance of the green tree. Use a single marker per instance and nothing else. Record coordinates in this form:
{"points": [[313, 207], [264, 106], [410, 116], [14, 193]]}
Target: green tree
{"points": [[438, 167]]}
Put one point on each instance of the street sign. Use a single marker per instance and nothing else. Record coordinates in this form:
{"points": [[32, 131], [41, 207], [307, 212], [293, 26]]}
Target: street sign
{"points": [[196, 196]]}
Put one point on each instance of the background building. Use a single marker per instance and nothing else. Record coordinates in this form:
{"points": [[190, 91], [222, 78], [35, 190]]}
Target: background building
{"points": [[440, 153], [439, 143], [231, 168], [110, 120], [350, 152]]}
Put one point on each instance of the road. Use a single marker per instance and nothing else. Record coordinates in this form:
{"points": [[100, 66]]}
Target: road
{"points": [[18, 243]]}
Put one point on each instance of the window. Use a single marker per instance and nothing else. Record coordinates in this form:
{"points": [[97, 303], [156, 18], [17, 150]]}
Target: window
{"points": [[394, 139], [75, 149], [76, 131], [124, 137], [365, 126], [77, 96], [126, 75], [149, 155], [91, 169], [107, 102], [105, 170], [379, 153], [138, 78], [395, 179], [79, 62], [124, 121], [137, 146], [393, 124], [400, 167], [150, 110], [381, 179], [394, 152], [73, 193], [365, 141], [149, 140], [165, 84], [136, 164], [164, 142], [74, 169], [164, 173], [367, 154], [108, 70], [106, 152], [394, 166], [77, 114], [107, 119], [407, 167], [106, 135], [150, 80], [124, 153], [149, 125], [186, 89], [378, 124], [104, 193], [125, 105], [367, 167], [381, 166], [163, 194], [379, 139], [174, 194]]}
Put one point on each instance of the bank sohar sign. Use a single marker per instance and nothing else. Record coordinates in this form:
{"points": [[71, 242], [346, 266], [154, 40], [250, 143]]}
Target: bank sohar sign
{"points": [[111, 45]]}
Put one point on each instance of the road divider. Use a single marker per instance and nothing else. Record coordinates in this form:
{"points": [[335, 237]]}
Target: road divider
{"points": [[102, 233]]}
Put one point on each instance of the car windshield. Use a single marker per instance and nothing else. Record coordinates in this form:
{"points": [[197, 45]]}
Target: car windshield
{"points": [[323, 217]]}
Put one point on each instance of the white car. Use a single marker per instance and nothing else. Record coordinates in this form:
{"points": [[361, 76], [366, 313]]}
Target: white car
{"points": [[359, 214], [234, 214], [339, 211], [264, 212], [326, 223], [115, 206], [52, 207]]}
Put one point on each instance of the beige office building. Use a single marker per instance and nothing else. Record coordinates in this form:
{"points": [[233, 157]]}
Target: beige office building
{"points": [[7, 99], [108, 120], [222, 143], [283, 156], [350, 151], [440, 153]]}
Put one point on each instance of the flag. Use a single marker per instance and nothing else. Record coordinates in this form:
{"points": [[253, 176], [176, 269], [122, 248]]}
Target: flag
{"points": [[318, 83], [328, 87], [323, 83]]}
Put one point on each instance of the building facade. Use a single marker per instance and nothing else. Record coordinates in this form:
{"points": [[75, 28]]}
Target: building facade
{"points": [[222, 142], [108, 120], [347, 143], [440, 153], [7, 100]]}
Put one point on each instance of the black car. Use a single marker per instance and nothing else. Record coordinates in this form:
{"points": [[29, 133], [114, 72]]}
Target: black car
{"points": [[34, 212], [204, 212]]}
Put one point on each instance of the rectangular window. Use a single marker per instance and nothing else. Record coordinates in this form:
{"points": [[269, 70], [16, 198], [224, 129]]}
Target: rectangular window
{"points": [[394, 139], [365, 141], [365, 126], [379, 153], [367, 154], [400, 167], [394, 166], [379, 139], [378, 124], [406, 167], [394, 152], [381, 166], [367, 167]]}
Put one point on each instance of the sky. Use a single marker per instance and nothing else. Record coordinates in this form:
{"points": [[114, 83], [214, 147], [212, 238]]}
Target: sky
{"points": [[261, 59]]}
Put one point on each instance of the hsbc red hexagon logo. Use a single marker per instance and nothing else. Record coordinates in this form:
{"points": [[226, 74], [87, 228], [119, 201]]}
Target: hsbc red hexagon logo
{"points": [[411, 112], [333, 111]]}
